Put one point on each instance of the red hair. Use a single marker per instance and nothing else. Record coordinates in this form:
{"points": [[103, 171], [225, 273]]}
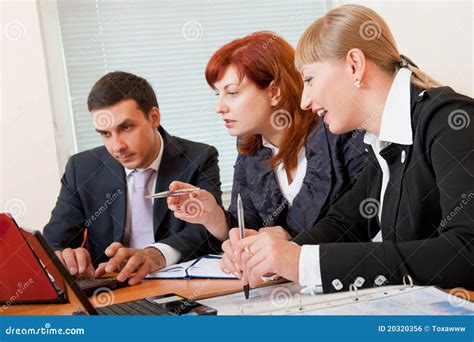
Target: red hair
{"points": [[264, 57]]}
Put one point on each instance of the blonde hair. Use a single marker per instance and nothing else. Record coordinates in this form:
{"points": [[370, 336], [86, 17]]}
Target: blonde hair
{"points": [[354, 26]]}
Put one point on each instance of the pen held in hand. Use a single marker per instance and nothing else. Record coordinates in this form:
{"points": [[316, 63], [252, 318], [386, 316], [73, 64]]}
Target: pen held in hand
{"points": [[240, 217], [175, 193]]}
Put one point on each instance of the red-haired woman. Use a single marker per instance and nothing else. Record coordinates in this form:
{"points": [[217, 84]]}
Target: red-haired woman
{"points": [[290, 168]]}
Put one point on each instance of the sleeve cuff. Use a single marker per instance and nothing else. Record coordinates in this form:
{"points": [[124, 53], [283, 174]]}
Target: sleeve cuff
{"points": [[172, 255], [309, 267]]}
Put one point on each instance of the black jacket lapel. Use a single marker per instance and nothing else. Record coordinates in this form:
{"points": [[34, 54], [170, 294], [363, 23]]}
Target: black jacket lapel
{"points": [[170, 168], [116, 183]]}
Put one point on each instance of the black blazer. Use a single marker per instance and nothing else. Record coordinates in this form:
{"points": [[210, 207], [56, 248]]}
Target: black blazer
{"points": [[94, 193], [333, 164], [428, 208]]}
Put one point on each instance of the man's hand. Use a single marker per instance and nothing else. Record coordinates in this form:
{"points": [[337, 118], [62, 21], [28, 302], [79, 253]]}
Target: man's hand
{"points": [[77, 261], [126, 261]]}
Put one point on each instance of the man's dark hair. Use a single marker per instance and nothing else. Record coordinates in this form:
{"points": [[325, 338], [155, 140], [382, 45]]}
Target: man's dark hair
{"points": [[116, 86]]}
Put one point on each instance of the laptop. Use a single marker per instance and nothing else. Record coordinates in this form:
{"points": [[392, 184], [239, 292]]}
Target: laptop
{"points": [[167, 304], [24, 273]]}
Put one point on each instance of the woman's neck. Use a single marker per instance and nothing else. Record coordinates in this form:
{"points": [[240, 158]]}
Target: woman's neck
{"points": [[375, 100]]}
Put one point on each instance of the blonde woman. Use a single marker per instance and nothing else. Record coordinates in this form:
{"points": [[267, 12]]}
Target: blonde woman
{"points": [[410, 214]]}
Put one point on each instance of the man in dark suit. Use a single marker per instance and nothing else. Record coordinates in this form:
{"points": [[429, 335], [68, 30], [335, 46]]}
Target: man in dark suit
{"points": [[102, 218]]}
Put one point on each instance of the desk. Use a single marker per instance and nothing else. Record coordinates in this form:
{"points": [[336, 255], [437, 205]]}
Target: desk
{"points": [[194, 288]]}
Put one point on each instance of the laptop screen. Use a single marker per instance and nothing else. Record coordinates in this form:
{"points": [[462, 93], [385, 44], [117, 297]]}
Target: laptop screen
{"points": [[75, 294], [22, 278]]}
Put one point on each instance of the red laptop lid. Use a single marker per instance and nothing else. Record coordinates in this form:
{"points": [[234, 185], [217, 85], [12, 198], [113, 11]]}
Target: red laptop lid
{"points": [[22, 278]]}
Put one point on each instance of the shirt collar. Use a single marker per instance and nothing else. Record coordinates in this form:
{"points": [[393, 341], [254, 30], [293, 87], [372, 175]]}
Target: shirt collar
{"points": [[395, 126], [268, 144], [155, 165]]}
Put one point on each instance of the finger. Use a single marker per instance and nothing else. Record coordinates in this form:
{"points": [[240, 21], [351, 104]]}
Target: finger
{"points": [[223, 267], [240, 245], [228, 264], [184, 217], [90, 272], [132, 265], [59, 255], [176, 185], [113, 248], [255, 275], [234, 235], [140, 274], [70, 260], [120, 256], [100, 271], [229, 251], [82, 258]]}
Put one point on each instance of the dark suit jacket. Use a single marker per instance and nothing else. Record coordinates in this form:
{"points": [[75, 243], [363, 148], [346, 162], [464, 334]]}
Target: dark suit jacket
{"points": [[428, 208], [94, 193], [333, 164]]}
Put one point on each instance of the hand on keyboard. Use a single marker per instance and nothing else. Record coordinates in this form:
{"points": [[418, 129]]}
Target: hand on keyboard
{"points": [[77, 261], [131, 263]]}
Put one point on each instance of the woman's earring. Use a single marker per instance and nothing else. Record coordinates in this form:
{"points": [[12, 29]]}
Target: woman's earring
{"points": [[357, 83]]}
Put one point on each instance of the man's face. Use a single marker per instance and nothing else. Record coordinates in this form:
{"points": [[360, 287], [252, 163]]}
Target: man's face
{"points": [[128, 135]]}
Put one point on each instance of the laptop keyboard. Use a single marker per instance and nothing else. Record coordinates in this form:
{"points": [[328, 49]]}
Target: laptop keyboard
{"points": [[94, 282], [133, 308]]}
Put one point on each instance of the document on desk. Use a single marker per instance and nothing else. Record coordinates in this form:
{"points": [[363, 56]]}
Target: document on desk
{"points": [[286, 299], [203, 267]]}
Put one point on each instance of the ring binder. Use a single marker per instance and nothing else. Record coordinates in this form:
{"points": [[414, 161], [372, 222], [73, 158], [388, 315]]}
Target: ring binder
{"points": [[410, 281], [354, 290]]}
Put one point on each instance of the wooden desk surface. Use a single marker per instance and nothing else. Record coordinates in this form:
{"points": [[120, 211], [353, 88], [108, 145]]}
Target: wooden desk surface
{"points": [[195, 289]]}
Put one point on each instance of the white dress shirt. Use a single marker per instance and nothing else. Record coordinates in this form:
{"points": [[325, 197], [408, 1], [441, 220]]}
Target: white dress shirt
{"points": [[171, 254], [395, 128], [289, 190]]}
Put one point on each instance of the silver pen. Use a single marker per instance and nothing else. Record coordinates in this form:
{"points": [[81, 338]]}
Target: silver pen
{"points": [[172, 193], [240, 218]]}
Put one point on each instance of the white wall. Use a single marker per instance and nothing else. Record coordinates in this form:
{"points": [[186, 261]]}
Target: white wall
{"points": [[436, 35], [29, 168]]}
